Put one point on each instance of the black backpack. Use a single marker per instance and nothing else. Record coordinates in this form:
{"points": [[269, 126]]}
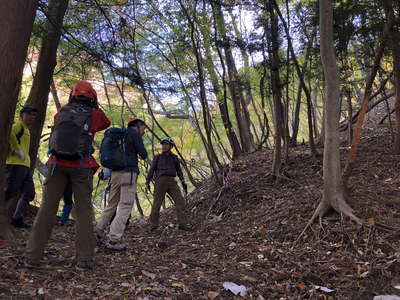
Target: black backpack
{"points": [[112, 149], [70, 136]]}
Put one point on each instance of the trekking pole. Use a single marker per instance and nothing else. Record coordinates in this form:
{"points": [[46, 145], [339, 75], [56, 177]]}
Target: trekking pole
{"points": [[106, 192], [97, 187]]}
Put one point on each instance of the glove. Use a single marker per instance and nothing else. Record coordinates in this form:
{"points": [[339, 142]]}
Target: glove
{"points": [[184, 186], [20, 154]]}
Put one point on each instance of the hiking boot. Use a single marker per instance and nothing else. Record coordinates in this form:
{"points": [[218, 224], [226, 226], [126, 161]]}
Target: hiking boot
{"points": [[184, 228], [19, 223], [118, 246], [85, 265], [99, 235]]}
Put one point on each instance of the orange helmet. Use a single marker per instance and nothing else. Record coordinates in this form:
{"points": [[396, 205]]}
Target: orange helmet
{"points": [[84, 89], [132, 119], [136, 120]]}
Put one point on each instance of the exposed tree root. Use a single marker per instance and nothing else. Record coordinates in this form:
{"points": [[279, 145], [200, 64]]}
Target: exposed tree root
{"points": [[340, 206]]}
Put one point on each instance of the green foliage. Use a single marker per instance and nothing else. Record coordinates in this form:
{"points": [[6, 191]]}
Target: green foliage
{"points": [[108, 41]]}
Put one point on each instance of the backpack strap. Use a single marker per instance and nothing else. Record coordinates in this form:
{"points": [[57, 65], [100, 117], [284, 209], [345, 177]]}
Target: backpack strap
{"points": [[177, 162], [20, 133], [157, 158]]}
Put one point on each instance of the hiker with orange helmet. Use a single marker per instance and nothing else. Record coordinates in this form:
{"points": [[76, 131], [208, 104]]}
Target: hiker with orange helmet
{"points": [[71, 160], [123, 179]]}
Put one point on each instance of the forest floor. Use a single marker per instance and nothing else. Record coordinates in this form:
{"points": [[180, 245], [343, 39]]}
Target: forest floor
{"points": [[244, 233]]}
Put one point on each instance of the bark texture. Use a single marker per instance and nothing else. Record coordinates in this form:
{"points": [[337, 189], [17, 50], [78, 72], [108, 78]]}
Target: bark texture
{"points": [[16, 21], [333, 195], [39, 93]]}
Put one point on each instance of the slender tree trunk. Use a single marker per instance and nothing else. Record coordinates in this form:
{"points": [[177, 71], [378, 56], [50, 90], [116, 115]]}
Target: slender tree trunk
{"points": [[266, 128], [350, 113], [39, 93], [273, 46], [221, 98], [16, 22], [53, 90], [246, 81], [351, 157], [301, 78], [395, 45], [213, 158], [333, 195], [296, 118], [235, 86]]}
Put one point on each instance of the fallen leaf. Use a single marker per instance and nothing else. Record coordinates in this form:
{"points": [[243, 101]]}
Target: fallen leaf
{"points": [[301, 286], [126, 284], [177, 284], [249, 278], [371, 222], [148, 274], [212, 295], [365, 274]]}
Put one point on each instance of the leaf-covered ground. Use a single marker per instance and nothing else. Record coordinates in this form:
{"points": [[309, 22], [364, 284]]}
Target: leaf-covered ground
{"points": [[243, 233]]}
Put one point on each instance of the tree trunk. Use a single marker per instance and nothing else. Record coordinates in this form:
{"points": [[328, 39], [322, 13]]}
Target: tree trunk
{"points": [[16, 22], [235, 86], [333, 195], [301, 78], [221, 96], [208, 143], [54, 93], [296, 118], [273, 49], [351, 157], [395, 44], [246, 81], [39, 93], [350, 113]]}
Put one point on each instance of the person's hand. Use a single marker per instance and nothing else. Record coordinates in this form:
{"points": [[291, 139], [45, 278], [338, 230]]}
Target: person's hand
{"points": [[184, 186], [20, 154]]}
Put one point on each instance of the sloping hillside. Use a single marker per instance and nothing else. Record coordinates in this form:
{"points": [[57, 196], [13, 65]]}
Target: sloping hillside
{"points": [[244, 233]]}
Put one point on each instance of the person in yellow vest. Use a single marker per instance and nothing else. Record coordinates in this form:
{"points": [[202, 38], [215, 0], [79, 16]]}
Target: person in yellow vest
{"points": [[19, 174]]}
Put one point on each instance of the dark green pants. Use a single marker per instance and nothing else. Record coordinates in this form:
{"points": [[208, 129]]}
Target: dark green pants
{"points": [[163, 185], [54, 186]]}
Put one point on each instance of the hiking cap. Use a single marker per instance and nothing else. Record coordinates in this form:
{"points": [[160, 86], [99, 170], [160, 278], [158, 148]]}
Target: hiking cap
{"points": [[28, 109], [84, 89], [167, 140]]}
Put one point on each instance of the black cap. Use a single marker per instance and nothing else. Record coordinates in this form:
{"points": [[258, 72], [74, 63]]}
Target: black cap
{"points": [[27, 109]]}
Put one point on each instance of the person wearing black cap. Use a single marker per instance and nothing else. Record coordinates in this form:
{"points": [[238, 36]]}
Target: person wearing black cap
{"points": [[123, 187], [18, 168], [164, 168]]}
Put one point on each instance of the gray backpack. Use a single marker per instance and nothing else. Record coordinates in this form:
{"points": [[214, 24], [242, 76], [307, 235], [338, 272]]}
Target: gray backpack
{"points": [[70, 137]]}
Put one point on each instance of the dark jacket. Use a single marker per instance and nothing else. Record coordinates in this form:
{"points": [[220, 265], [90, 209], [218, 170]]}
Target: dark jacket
{"points": [[133, 146], [165, 164]]}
